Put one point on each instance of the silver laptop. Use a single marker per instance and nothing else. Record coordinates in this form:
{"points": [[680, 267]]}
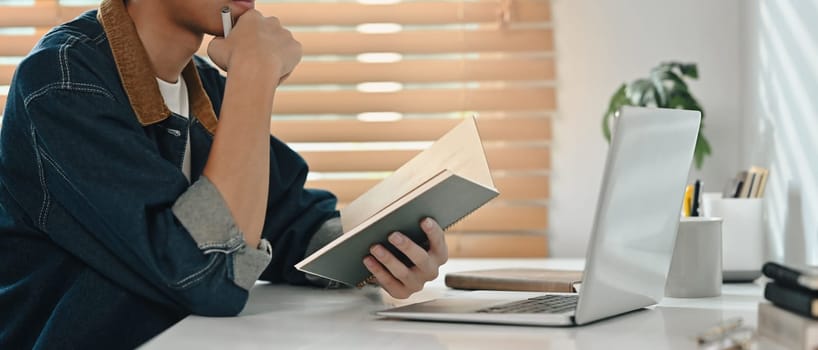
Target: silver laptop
{"points": [[631, 244]]}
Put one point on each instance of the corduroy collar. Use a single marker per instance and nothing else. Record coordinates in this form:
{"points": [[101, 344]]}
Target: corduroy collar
{"points": [[137, 75]]}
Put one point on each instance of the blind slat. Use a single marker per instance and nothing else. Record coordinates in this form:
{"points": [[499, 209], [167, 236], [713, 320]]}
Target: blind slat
{"points": [[506, 158], [20, 45], [48, 13], [531, 187], [422, 42], [41, 14], [17, 45], [404, 102], [6, 73], [407, 130], [511, 69], [2, 103], [492, 218], [352, 102], [403, 13], [432, 41], [415, 101], [407, 42], [421, 71], [486, 245]]}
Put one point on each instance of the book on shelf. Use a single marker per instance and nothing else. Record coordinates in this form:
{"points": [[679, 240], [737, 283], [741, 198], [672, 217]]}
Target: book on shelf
{"points": [[760, 183], [797, 300], [738, 184], [446, 182], [785, 328], [516, 279], [749, 183]]}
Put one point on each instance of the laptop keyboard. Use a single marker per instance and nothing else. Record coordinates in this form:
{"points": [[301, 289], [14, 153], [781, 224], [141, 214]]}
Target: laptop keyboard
{"points": [[551, 304]]}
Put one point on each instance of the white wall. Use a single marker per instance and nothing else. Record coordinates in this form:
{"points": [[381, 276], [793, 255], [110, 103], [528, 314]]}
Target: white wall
{"points": [[781, 128], [601, 44]]}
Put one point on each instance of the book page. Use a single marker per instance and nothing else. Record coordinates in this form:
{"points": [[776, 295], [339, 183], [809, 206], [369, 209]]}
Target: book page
{"points": [[459, 150]]}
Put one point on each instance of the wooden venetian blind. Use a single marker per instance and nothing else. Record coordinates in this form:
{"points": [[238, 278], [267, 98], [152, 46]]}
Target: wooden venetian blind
{"points": [[382, 79]]}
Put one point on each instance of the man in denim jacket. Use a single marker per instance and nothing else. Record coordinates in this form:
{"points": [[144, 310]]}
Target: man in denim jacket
{"points": [[123, 208]]}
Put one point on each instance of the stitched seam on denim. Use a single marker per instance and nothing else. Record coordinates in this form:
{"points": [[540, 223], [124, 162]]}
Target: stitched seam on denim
{"points": [[224, 251], [185, 282], [41, 173], [59, 170], [62, 68], [97, 38], [235, 241], [182, 158], [195, 277], [53, 163], [65, 70], [90, 88], [74, 33], [64, 57], [83, 36], [100, 38]]}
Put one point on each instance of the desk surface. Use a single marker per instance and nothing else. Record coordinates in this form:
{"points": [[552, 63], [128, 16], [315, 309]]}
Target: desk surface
{"points": [[288, 317]]}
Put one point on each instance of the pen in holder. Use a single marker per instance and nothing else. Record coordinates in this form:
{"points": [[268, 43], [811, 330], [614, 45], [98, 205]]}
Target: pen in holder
{"points": [[742, 235]]}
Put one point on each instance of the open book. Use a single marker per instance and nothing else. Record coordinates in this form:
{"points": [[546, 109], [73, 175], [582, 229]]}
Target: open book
{"points": [[447, 181]]}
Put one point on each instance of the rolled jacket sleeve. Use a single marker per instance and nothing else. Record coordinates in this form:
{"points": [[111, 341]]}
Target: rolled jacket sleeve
{"points": [[202, 210]]}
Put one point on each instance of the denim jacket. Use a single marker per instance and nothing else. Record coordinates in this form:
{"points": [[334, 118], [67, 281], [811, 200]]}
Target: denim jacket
{"points": [[103, 241]]}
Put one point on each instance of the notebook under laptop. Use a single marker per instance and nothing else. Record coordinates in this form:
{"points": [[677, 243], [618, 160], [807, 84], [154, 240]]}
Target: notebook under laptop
{"points": [[631, 243]]}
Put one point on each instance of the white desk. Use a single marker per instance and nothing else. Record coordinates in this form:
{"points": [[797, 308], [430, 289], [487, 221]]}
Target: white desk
{"points": [[287, 317]]}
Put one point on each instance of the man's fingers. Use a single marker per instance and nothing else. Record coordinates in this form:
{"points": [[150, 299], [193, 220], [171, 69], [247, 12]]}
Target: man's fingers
{"points": [[424, 265], [395, 267], [394, 276], [437, 242], [385, 279]]}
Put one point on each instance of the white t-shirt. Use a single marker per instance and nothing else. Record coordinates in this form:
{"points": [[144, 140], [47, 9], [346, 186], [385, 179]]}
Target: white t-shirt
{"points": [[175, 96]]}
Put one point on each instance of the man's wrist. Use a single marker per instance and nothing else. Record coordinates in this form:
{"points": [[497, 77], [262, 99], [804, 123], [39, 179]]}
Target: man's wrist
{"points": [[252, 68]]}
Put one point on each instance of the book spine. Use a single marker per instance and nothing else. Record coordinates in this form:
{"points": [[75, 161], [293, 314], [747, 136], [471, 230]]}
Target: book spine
{"points": [[763, 184], [782, 275], [786, 328], [790, 299]]}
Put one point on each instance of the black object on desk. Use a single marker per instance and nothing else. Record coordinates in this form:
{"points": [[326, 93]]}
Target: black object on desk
{"points": [[695, 207], [790, 277]]}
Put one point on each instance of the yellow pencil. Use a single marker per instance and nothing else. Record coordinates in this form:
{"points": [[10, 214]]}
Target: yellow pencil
{"points": [[687, 205]]}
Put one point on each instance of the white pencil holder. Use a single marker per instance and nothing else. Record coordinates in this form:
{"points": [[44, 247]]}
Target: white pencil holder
{"points": [[742, 235]]}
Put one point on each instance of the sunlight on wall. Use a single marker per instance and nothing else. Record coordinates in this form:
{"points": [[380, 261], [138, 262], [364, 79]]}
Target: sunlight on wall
{"points": [[783, 121]]}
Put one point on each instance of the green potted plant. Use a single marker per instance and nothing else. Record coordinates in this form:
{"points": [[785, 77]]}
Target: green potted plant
{"points": [[664, 88]]}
